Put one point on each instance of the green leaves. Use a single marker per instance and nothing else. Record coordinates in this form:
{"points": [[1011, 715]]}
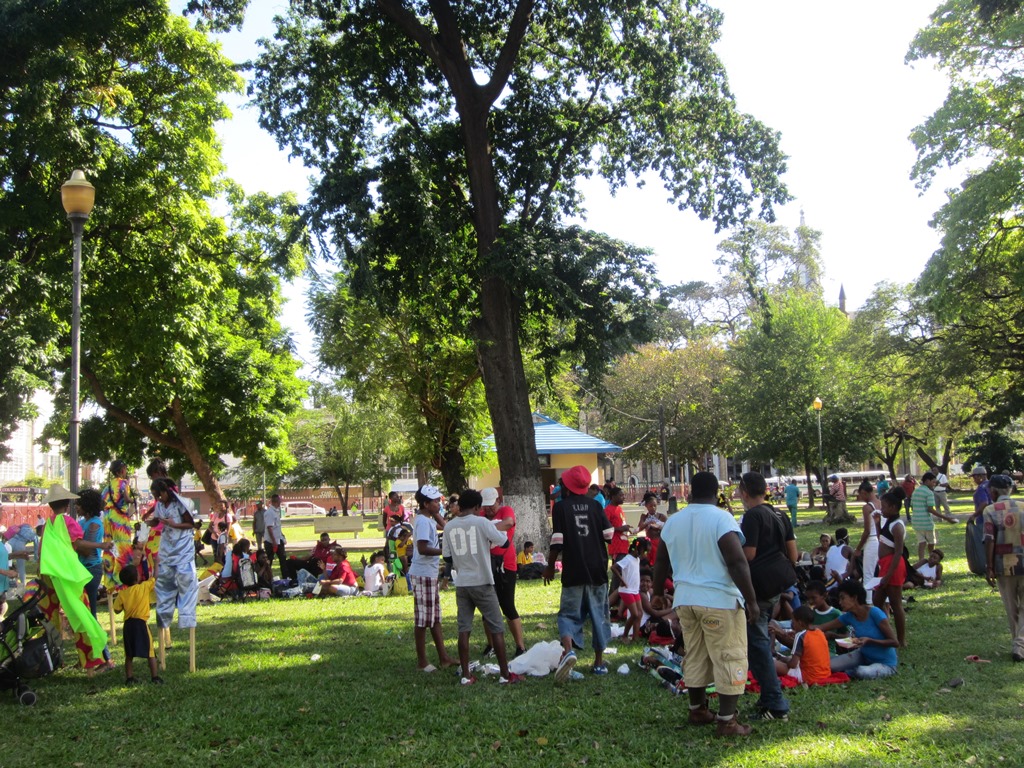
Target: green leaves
{"points": [[973, 287], [180, 341]]}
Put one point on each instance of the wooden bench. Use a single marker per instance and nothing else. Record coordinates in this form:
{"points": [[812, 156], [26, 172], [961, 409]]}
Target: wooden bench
{"points": [[339, 524]]}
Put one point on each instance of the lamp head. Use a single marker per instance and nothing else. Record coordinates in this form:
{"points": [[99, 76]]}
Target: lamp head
{"points": [[817, 403], [77, 195]]}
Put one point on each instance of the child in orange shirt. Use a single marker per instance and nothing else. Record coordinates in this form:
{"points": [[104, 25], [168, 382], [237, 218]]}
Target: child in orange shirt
{"points": [[810, 661]]}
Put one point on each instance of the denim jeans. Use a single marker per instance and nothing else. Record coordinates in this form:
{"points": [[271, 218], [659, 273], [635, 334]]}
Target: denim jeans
{"points": [[576, 605], [761, 661], [855, 666]]}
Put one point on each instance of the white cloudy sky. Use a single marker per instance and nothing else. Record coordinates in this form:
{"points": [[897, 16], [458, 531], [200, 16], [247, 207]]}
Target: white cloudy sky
{"points": [[830, 76]]}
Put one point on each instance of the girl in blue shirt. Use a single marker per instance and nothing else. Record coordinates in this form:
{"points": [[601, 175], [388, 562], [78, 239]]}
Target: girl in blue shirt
{"points": [[875, 643]]}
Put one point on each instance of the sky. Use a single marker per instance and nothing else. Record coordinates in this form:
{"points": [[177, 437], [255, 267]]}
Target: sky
{"points": [[830, 77]]}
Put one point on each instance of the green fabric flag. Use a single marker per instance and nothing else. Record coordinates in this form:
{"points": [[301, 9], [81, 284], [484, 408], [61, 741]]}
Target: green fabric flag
{"points": [[69, 577]]}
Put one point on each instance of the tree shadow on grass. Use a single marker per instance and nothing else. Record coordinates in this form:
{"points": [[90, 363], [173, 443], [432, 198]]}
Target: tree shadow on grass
{"points": [[259, 698]]}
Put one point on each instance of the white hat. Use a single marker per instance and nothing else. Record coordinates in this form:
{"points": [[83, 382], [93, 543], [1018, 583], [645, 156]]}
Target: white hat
{"points": [[489, 496], [58, 492], [430, 491]]}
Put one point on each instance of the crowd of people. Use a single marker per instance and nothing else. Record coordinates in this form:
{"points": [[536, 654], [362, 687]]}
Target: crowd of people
{"points": [[736, 599]]}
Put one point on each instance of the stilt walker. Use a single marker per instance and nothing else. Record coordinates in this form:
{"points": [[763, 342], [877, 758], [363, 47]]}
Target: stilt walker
{"points": [[176, 584]]}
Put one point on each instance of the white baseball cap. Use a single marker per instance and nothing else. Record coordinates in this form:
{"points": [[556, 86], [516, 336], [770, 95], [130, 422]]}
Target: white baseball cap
{"points": [[489, 496]]}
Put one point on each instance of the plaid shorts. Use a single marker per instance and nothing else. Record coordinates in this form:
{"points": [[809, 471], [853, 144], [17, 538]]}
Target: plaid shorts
{"points": [[426, 601]]}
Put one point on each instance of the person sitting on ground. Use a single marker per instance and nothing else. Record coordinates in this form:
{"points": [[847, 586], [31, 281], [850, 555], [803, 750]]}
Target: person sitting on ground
{"points": [[874, 643], [342, 579], [816, 597], [374, 575], [525, 557], [264, 571], [243, 576], [530, 565], [839, 563], [660, 622], [820, 553], [809, 662], [398, 540], [931, 569], [133, 599]]}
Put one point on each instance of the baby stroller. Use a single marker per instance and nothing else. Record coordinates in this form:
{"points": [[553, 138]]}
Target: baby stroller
{"points": [[29, 649]]}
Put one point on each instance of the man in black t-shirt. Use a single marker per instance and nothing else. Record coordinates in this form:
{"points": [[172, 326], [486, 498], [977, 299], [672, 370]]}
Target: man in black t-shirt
{"points": [[770, 547], [580, 535]]}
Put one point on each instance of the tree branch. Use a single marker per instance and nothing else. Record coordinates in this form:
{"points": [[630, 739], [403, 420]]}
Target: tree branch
{"points": [[126, 418], [509, 51]]}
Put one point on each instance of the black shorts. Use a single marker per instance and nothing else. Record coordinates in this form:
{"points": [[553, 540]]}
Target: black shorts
{"points": [[138, 643], [505, 586]]}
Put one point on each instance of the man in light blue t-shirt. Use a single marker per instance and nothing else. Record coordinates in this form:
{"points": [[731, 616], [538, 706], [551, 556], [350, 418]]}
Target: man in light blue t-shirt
{"points": [[702, 549], [792, 499]]}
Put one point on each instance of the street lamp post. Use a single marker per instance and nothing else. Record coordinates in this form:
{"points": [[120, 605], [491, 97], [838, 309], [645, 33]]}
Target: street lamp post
{"points": [[821, 456], [77, 196]]}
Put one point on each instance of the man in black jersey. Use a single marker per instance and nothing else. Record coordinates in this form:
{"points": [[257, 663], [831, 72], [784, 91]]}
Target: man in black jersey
{"points": [[580, 535]]}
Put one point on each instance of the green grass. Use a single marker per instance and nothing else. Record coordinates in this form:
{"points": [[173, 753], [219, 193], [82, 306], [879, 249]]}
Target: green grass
{"points": [[258, 699]]}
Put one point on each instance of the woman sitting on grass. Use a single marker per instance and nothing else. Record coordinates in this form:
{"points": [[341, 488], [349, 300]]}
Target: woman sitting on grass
{"points": [[874, 644]]}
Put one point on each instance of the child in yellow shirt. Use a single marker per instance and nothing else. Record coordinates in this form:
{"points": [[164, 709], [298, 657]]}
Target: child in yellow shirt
{"points": [[134, 599]]}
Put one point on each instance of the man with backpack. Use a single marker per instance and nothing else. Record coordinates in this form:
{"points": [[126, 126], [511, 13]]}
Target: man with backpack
{"points": [[770, 548]]}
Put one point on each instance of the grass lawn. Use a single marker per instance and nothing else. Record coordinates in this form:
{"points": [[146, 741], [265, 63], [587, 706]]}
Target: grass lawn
{"points": [[258, 698]]}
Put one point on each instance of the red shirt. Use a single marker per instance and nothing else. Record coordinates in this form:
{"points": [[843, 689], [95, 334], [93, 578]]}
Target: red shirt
{"points": [[508, 553], [619, 545], [344, 572]]}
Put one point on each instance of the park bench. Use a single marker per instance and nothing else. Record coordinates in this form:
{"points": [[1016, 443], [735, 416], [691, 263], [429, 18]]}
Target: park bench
{"points": [[339, 524]]}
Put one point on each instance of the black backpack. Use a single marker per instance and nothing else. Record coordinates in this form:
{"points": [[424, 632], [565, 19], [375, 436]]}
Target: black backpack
{"points": [[974, 543]]}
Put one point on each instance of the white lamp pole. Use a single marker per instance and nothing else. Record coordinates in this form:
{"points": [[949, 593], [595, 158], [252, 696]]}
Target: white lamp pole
{"points": [[77, 196]]}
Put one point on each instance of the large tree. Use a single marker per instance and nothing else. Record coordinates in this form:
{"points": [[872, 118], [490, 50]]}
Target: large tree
{"points": [[502, 107], [685, 387], [973, 286], [181, 349], [782, 367], [341, 442], [415, 349]]}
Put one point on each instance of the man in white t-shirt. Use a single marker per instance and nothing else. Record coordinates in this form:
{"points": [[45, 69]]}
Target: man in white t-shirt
{"points": [[467, 548], [940, 490], [273, 538]]}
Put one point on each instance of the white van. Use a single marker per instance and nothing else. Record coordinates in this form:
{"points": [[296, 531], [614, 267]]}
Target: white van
{"points": [[301, 508]]}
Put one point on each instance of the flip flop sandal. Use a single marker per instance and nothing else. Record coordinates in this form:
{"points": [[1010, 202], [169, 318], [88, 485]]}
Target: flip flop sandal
{"points": [[976, 659]]}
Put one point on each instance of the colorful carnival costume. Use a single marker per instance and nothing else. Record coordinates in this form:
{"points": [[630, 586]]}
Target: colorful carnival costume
{"points": [[118, 500]]}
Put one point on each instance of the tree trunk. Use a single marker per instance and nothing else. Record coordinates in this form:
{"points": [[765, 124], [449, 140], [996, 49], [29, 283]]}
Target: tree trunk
{"points": [[453, 468], [498, 352], [810, 486], [190, 447]]}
